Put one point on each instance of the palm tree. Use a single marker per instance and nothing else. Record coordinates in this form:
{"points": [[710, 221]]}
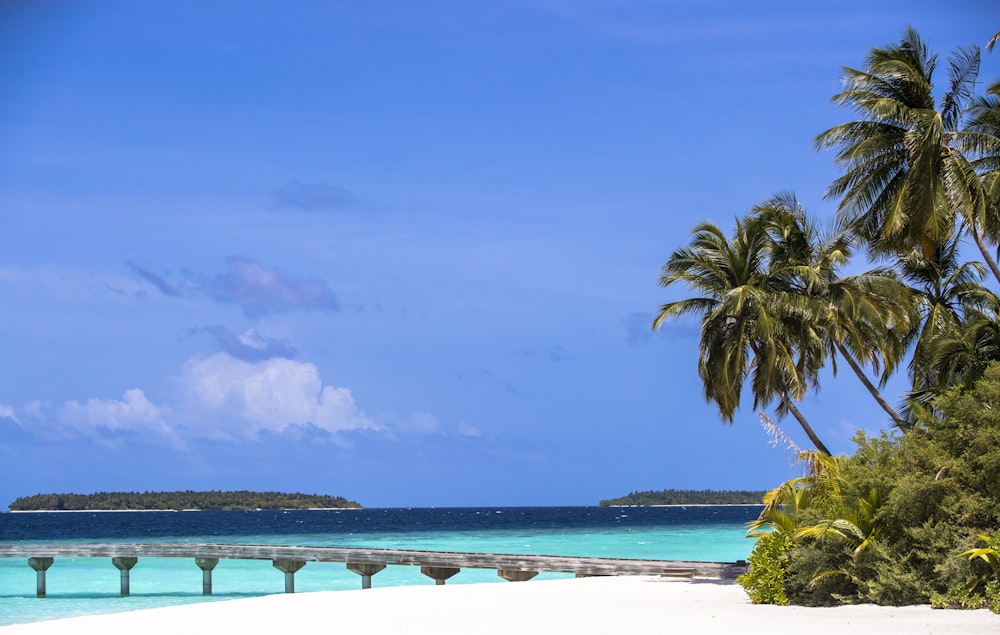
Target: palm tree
{"points": [[749, 328], [906, 182], [820, 486], [981, 142], [863, 317], [961, 357], [947, 293]]}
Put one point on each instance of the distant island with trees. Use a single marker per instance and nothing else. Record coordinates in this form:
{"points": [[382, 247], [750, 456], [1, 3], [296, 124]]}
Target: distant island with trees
{"points": [[688, 497], [151, 501]]}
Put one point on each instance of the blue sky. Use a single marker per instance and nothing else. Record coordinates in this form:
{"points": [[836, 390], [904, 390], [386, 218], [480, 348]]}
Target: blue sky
{"points": [[403, 252]]}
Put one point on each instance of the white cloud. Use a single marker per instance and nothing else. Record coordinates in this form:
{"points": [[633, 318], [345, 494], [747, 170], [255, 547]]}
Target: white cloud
{"points": [[7, 412], [467, 430], [244, 398], [133, 412], [420, 423]]}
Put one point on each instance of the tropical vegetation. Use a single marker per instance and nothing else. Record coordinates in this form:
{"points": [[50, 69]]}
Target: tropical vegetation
{"points": [[686, 497], [913, 515], [122, 501]]}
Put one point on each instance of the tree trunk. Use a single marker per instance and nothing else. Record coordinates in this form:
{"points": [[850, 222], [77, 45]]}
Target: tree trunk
{"points": [[900, 422], [990, 261], [788, 403]]}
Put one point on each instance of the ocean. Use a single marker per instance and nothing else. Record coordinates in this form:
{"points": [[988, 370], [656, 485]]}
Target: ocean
{"points": [[84, 586]]}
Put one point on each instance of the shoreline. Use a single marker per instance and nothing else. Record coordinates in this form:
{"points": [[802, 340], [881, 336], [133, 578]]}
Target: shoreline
{"points": [[322, 509], [587, 605], [690, 505], [256, 509]]}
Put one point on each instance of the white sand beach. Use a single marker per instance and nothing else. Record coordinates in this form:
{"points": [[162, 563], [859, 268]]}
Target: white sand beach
{"points": [[591, 605]]}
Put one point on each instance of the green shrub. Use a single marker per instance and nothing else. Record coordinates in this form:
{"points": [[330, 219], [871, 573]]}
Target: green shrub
{"points": [[958, 597], [818, 574], [765, 581]]}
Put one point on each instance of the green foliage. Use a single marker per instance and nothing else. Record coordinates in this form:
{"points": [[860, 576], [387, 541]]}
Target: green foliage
{"points": [[990, 554], [897, 522], [958, 597], [687, 497], [178, 500], [965, 597], [765, 581]]}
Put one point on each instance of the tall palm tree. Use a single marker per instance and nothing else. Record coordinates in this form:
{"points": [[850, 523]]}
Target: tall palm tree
{"points": [[906, 181], [748, 326], [863, 317]]}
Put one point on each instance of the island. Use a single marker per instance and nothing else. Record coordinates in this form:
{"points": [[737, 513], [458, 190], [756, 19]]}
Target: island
{"points": [[186, 500], [688, 497]]}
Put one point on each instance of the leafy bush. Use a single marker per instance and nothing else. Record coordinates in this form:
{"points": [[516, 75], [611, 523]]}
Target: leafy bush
{"points": [[765, 581], [897, 522]]}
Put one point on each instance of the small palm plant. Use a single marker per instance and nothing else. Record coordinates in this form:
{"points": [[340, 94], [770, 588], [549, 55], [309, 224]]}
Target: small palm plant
{"points": [[780, 524], [984, 591], [990, 554]]}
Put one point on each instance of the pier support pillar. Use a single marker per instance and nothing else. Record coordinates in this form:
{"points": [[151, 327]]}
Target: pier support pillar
{"points": [[366, 570], [516, 575], [40, 565], [440, 574], [206, 565], [124, 564], [289, 567]]}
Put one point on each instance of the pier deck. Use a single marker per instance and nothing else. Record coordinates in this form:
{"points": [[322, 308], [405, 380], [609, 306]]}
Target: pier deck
{"points": [[439, 565]]}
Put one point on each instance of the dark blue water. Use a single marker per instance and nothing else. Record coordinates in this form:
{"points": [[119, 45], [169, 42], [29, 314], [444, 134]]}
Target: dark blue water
{"points": [[182, 526]]}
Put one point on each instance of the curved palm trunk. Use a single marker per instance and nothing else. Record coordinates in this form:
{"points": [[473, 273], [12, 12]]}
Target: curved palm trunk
{"points": [[990, 261], [900, 422], [788, 403]]}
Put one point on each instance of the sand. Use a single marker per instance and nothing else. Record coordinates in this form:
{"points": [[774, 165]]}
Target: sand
{"points": [[592, 605]]}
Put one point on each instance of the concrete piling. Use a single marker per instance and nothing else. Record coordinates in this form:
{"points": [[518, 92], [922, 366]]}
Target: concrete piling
{"points": [[516, 575], [124, 564], [289, 567], [206, 565], [40, 565], [366, 570], [440, 574]]}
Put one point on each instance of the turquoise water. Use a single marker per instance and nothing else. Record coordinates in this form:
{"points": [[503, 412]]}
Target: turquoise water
{"points": [[84, 586]]}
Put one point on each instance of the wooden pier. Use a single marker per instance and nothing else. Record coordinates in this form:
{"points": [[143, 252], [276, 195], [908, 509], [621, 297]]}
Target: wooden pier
{"points": [[438, 565]]}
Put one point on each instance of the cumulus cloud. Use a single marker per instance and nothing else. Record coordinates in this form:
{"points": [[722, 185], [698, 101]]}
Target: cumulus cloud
{"points": [[251, 346], [310, 197], [260, 290], [133, 412], [244, 399]]}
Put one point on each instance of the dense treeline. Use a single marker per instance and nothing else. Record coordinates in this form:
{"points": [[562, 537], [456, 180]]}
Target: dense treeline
{"points": [[178, 500], [688, 497]]}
